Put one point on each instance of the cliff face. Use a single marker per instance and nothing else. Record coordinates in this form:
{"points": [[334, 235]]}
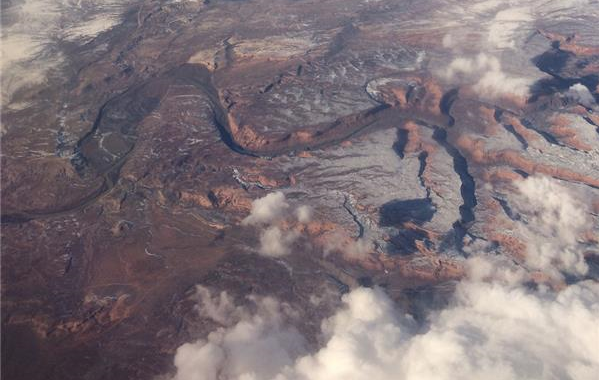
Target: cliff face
{"points": [[128, 174]]}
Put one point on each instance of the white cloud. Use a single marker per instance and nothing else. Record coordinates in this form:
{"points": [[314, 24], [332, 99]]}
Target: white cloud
{"points": [[303, 214], [493, 331], [253, 346], [33, 30], [267, 209], [352, 249], [273, 213], [270, 212], [494, 268], [219, 308], [448, 41], [275, 243], [505, 25], [486, 76], [500, 27], [359, 249], [462, 66], [490, 331], [495, 327], [555, 220], [497, 83], [581, 94]]}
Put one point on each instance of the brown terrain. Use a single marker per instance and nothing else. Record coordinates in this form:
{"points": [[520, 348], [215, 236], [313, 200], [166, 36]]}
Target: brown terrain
{"points": [[125, 181]]}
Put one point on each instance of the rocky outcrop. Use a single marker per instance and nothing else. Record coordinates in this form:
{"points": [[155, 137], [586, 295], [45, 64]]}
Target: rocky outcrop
{"points": [[562, 131], [127, 170], [475, 149]]}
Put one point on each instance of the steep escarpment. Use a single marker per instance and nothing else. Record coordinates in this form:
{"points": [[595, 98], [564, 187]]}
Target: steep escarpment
{"points": [[287, 149]]}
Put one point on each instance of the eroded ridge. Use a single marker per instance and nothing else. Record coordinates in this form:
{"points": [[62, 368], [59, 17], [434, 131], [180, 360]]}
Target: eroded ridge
{"points": [[288, 149]]}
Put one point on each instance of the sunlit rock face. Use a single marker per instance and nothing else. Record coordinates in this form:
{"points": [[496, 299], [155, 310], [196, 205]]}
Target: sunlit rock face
{"points": [[182, 176]]}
